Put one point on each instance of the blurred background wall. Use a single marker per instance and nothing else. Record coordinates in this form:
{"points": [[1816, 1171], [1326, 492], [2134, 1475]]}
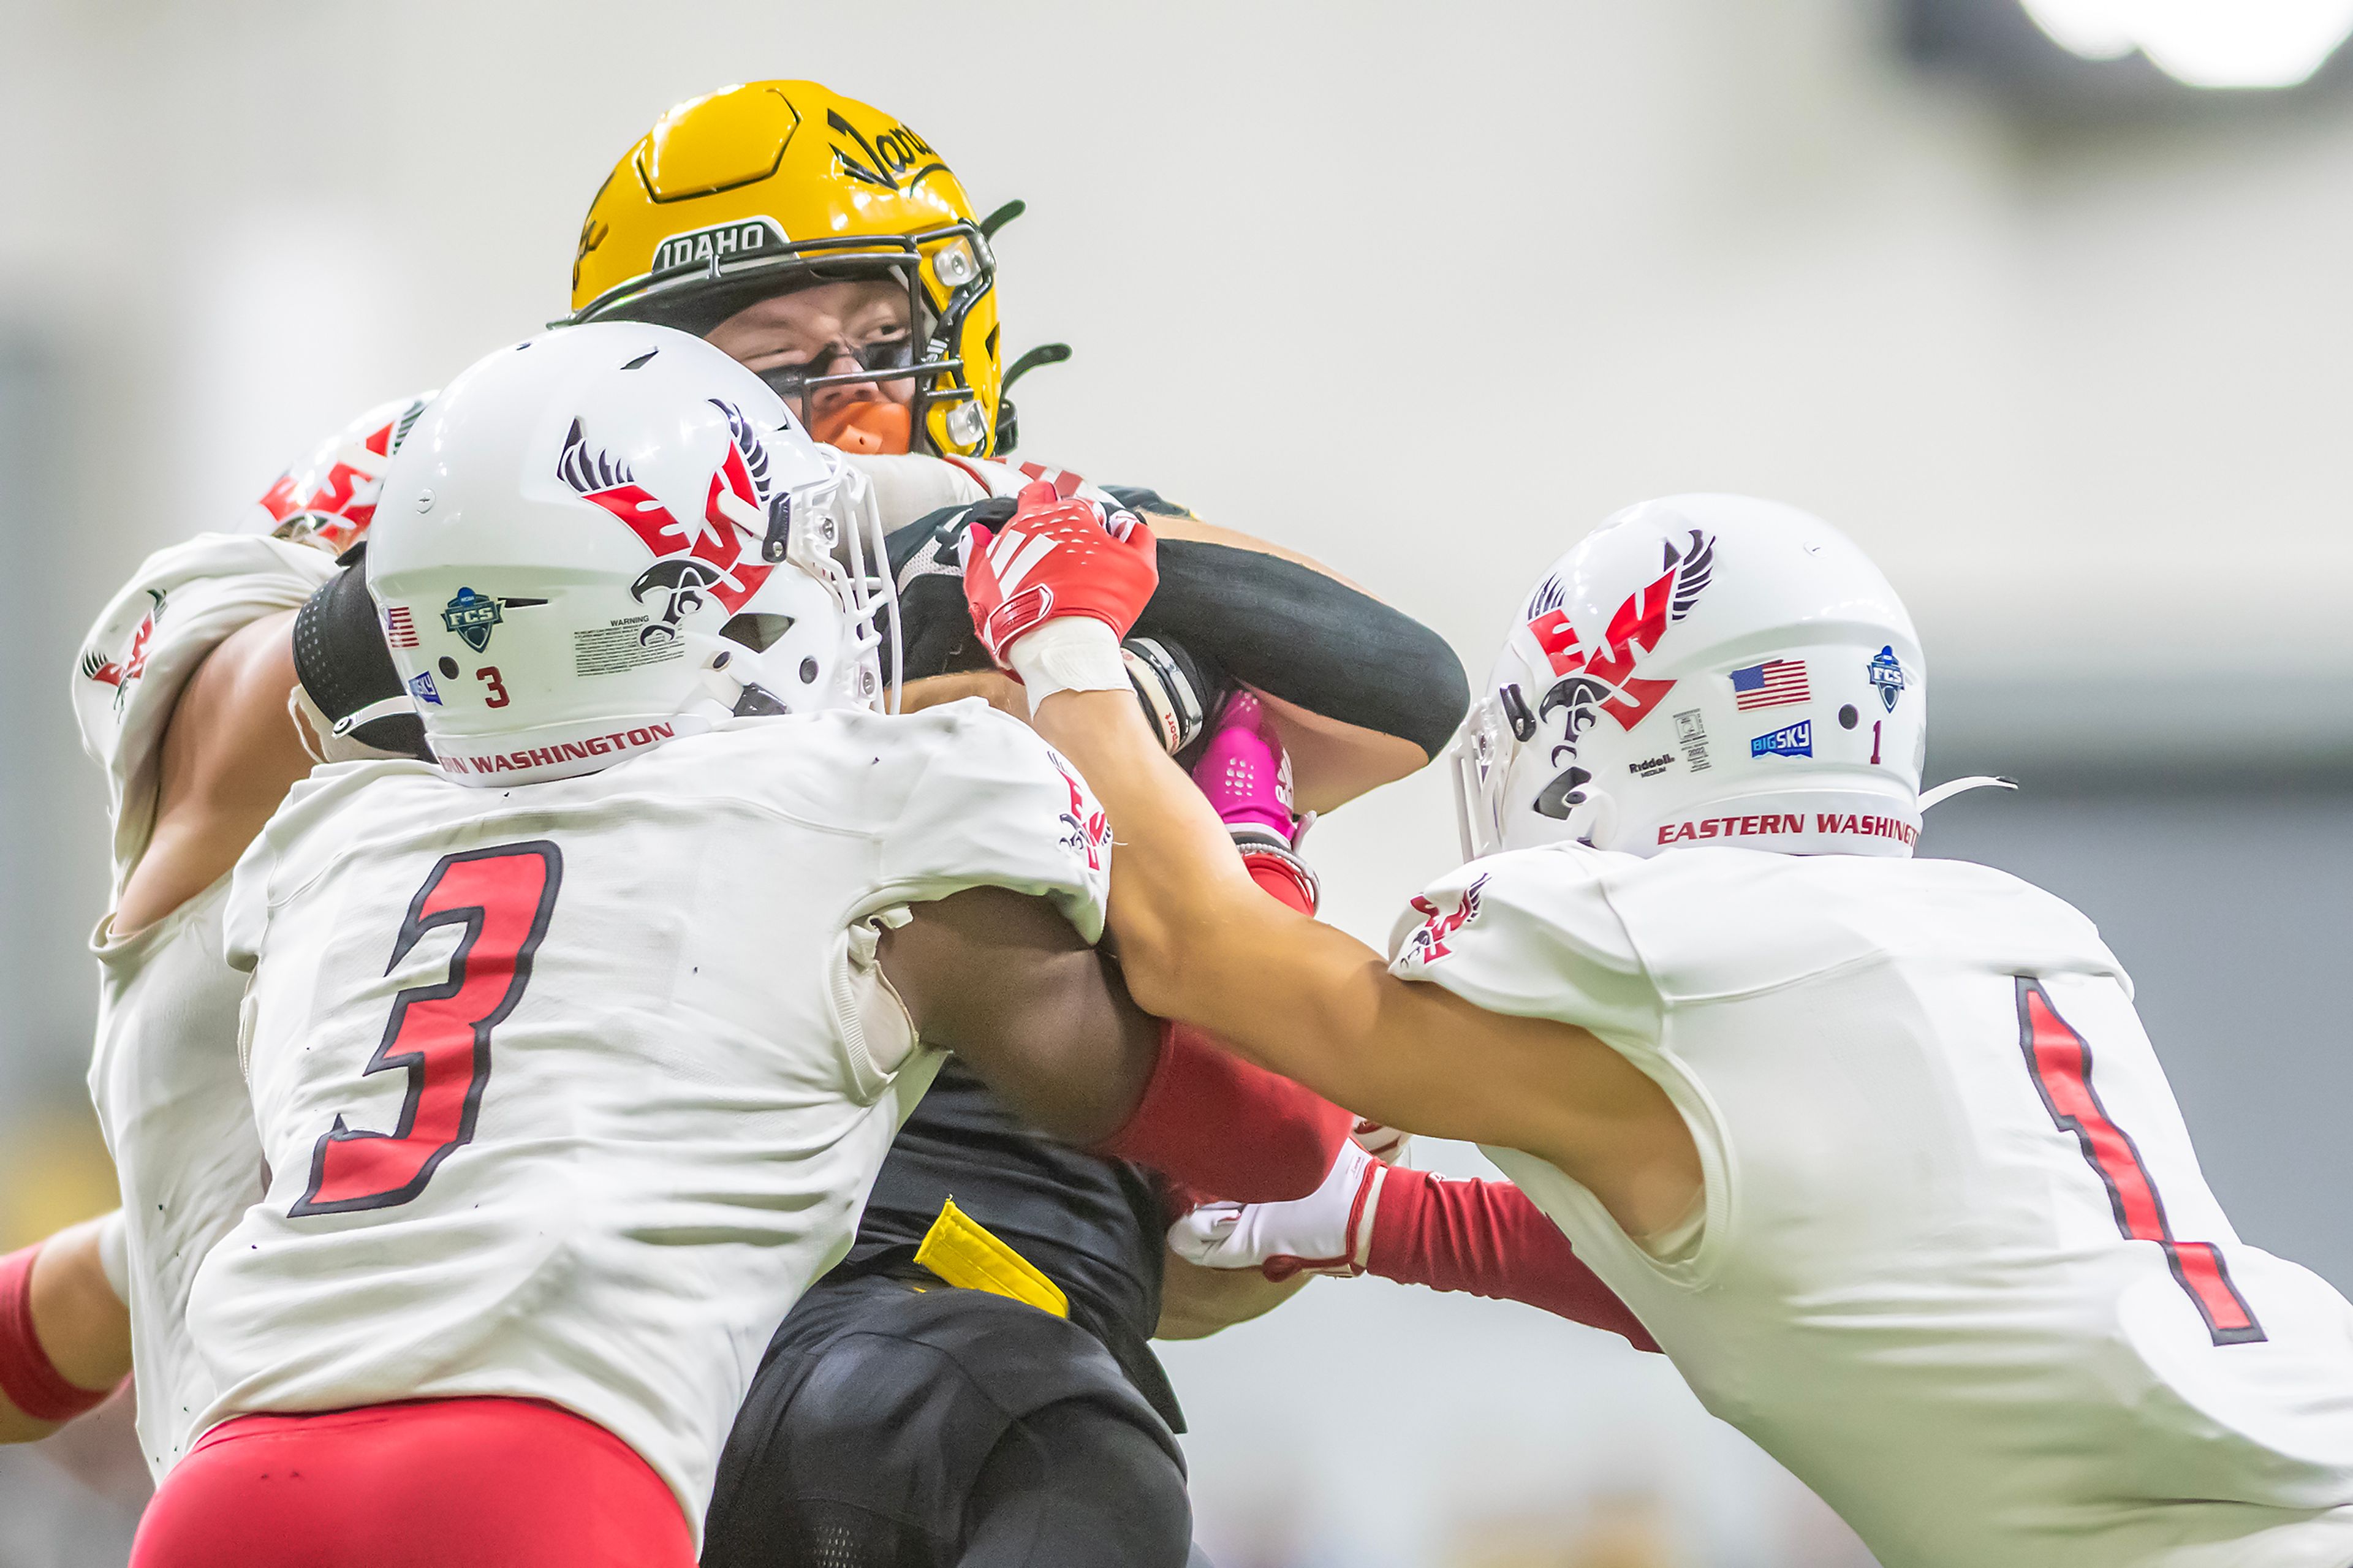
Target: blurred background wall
{"points": [[1423, 290]]}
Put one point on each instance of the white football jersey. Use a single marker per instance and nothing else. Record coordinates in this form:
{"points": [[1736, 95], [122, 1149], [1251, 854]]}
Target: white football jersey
{"points": [[163, 1073], [569, 1090], [1958, 1269]]}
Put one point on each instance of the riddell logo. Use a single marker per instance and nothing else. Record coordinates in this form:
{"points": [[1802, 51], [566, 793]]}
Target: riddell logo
{"points": [[1652, 767]]}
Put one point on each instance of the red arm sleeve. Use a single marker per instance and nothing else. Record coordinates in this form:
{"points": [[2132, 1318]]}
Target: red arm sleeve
{"points": [[1215, 1123], [1488, 1238]]}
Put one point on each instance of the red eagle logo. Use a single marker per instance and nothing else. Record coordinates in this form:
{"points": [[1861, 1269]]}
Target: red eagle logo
{"points": [[97, 666], [1429, 943], [1090, 828], [1601, 679], [339, 507], [704, 556]]}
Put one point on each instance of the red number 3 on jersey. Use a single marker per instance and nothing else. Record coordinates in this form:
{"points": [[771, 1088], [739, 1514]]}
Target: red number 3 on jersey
{"points": [[441, 1033], [2061, 1061]]}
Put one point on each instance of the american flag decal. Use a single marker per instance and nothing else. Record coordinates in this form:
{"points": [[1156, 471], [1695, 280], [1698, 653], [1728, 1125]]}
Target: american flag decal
{"points": [[398, 629], [1776, 683]]}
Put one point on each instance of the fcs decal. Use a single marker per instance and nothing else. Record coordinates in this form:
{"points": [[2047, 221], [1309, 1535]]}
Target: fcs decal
{"points": [[1790, 740], [1886, 672], [1601, 679], [704, 559], [1429, 941], [472, 617]]}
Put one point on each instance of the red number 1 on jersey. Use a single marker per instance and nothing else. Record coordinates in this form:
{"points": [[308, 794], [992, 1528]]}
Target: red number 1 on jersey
{"points": [[441, 1033], [2061, 1061]]}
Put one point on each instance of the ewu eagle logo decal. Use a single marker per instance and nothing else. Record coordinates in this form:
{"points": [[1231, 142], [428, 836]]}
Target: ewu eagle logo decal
{"points": [[338, 505], [1601, 679], [1429, 943], [1088, 829], [695, 561], [96, 665]]}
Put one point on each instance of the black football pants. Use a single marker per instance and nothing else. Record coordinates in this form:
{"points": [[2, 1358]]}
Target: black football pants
{"points": [[892, 1427]]}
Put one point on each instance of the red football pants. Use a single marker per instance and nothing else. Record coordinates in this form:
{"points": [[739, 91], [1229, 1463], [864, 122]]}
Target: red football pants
{"points": [[435, 1483]]}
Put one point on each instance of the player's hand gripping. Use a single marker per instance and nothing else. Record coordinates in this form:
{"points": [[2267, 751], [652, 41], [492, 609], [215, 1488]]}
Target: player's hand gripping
{"points": [[1330, 1231], [1055, 590]]}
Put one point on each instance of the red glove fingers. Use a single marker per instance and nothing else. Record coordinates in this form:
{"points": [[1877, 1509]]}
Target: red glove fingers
{"points": [[1057, 559]]}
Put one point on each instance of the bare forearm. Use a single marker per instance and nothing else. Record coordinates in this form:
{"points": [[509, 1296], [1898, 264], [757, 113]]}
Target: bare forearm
{"points": [[1001, 692], [230, 755]]}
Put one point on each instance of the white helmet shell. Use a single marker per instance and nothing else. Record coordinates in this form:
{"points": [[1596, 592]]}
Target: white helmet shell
{"points": [[1702, 669], [606, 537], [329, 497]]}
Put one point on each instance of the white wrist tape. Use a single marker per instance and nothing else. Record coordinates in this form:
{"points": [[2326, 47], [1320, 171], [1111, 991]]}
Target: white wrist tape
{"points": [[1075, 654]]}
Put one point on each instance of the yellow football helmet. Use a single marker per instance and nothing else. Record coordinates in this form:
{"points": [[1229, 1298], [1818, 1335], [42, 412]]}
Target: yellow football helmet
{"points": [[761, 188]]}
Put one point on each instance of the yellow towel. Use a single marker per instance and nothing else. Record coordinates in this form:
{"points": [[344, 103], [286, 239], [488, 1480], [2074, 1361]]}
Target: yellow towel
{"points": [[966, 1253]]}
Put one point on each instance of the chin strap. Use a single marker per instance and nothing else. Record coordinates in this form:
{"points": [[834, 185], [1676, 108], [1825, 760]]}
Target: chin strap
{"points": [[1951, 787], [337, 740]]}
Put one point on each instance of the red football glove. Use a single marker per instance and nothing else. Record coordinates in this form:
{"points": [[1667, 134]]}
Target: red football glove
{"points": [[1059, 557]]}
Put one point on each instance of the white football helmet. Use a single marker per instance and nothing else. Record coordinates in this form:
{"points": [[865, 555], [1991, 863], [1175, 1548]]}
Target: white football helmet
{"points": [[328, 498], [1702, 669], [606, 537]]}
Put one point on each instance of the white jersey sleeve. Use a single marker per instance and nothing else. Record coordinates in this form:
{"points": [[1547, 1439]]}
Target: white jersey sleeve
{"points": [[180, 605], [1532, 934], [997, 806], [905, 487]]}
